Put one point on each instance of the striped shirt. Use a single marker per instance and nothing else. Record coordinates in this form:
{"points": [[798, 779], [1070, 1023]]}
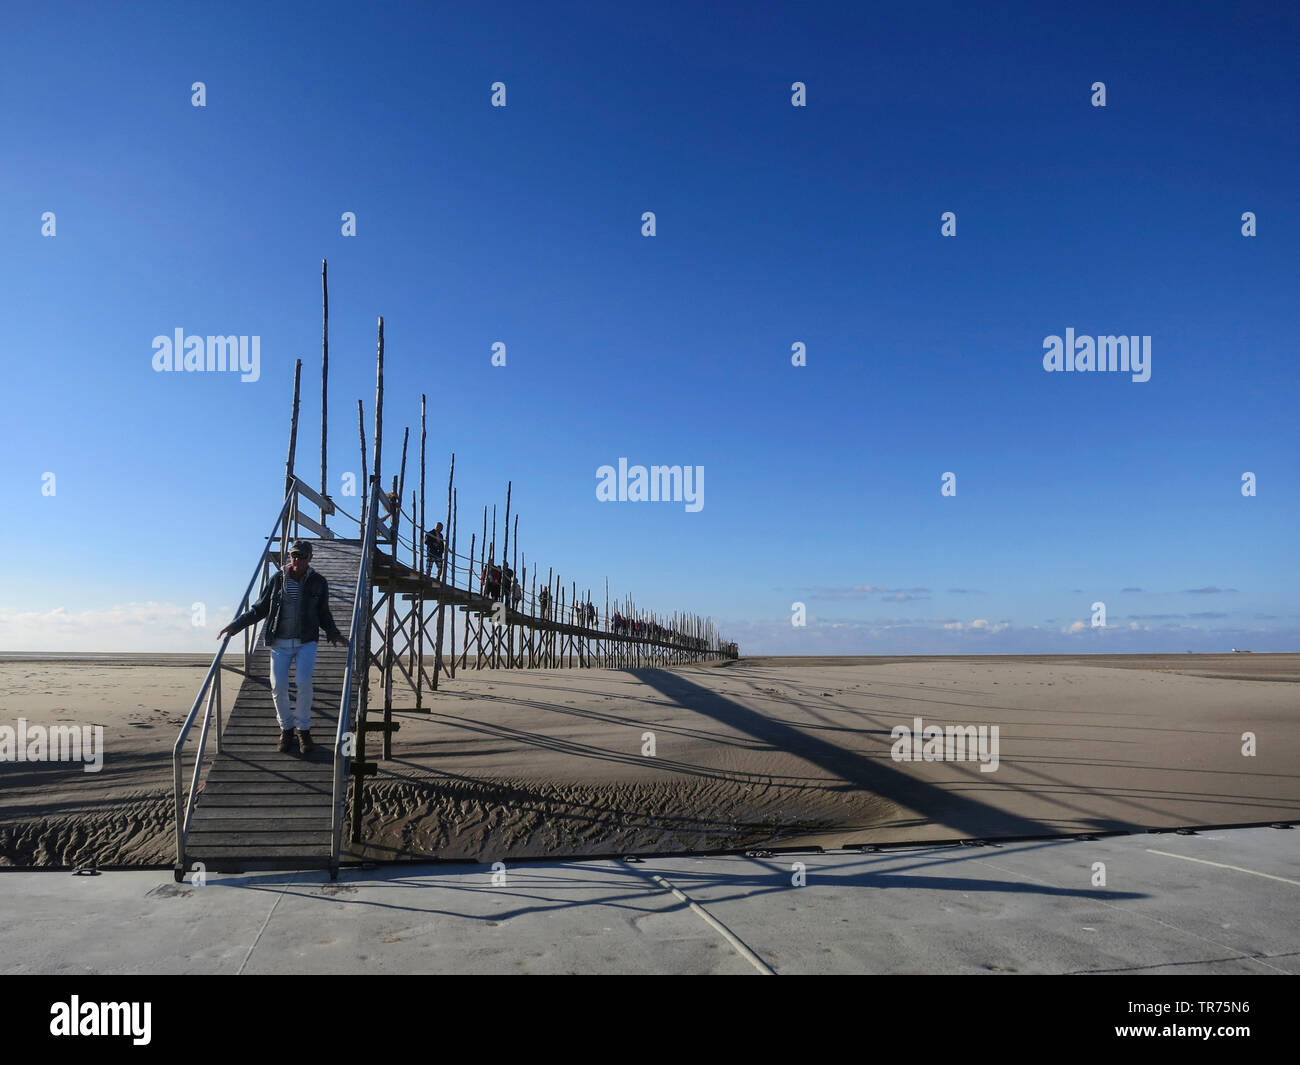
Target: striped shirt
{"points": [[290, 610]]}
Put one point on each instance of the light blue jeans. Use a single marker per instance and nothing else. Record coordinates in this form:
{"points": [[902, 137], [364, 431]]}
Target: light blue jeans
{"points": [[283, 654]]}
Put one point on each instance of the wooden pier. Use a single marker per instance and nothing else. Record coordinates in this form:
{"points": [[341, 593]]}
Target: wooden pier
{"points": [[253, 807]]}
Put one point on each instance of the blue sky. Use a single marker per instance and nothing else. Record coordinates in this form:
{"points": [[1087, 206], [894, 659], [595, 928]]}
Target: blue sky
{"points": [[775, 224]]}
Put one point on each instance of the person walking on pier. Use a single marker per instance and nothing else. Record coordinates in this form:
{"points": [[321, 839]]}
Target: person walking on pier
{"points": [[591, 615], [296, 603], [491, 580], [435, 547], [544, 602]]}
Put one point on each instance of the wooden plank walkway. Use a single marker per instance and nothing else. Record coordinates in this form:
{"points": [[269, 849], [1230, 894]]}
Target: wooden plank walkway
{"points": [[404, 579], [258, 808]]}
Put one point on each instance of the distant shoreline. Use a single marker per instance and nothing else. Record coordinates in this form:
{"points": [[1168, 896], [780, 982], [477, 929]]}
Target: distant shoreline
{"points": [[203, 658], [1283, 666], [125, 658]]}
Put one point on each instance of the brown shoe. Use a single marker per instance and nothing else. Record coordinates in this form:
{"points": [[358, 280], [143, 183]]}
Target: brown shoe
{"points": [[305, 744], [286, 741]]}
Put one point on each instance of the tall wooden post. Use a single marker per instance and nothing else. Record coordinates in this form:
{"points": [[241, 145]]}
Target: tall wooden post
{"points": [[550, 610], [473, 572], [505, 550], [365, 475], [442, 602], [514, 566], [399, 487], [575, 645], [532, 607], [451, 559], [324, 379], [490, 555], [414, 648], [379, 409], [288, 466], [418, 542], [388, 634]]}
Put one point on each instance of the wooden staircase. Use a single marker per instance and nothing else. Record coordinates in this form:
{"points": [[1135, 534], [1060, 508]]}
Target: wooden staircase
{"points": [[258, 808]]}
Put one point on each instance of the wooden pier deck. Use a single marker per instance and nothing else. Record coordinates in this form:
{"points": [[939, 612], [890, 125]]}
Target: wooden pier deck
{"points": [[252, 807], [258, 808], [408, 581]]}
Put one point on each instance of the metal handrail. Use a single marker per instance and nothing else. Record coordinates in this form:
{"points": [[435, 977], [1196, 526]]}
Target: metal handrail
{"points": [[211, 687], [356, 641]]}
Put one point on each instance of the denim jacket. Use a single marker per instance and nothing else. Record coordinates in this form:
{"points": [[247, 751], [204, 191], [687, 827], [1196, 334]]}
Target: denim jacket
{"points": [[313, 602]]}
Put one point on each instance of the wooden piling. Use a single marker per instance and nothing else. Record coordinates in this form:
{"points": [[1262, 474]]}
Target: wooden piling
{"points": [[469, 583], [288, 466], [379, 404], [391, 595], [442, 569], [414, 655], [365, 476], [324, 381], [418, 541], [399, 487], [451, 559], [514, 577]]}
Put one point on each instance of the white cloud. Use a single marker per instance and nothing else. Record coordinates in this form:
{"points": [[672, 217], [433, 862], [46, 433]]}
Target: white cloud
{"points": [[978, 625], [948, 636], [126, 627]]}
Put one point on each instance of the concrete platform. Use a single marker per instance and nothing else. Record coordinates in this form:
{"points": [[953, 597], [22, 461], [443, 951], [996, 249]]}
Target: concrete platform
{"points": [[1224, 901]]}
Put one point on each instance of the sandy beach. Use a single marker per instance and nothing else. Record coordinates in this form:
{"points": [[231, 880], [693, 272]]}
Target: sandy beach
{"points": [[758, 752]]}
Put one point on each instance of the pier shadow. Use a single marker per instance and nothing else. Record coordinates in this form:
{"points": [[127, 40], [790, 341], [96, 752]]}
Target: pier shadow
{"points": [[965, 815], [543, 886]]}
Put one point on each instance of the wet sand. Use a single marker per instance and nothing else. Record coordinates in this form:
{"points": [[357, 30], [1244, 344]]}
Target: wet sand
{"points": [[761, 752]]}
